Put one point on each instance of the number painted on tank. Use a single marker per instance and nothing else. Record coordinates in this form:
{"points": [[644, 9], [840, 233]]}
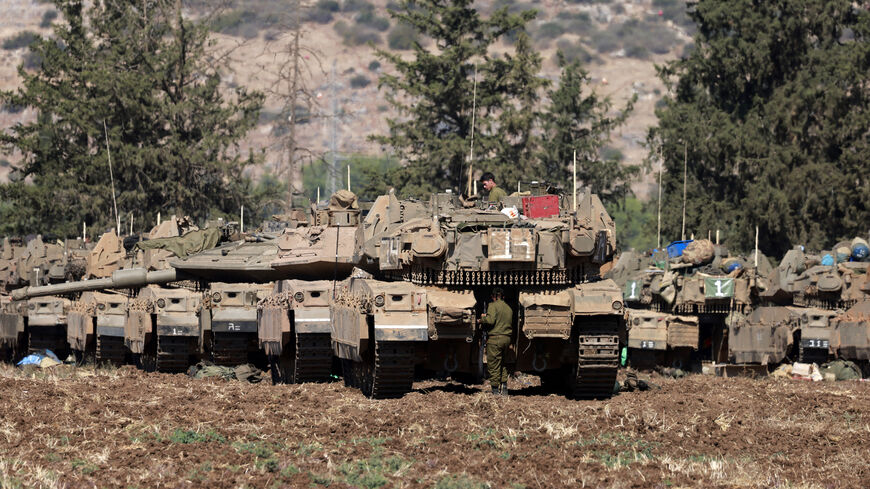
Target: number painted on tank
{"points": [[719, 292], [633, 291], [233, 327]]}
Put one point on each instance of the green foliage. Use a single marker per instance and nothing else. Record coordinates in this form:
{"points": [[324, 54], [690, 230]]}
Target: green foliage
{"points": [[572, 52], [366, 176], [433, 92], [359, 81], [189, 436], [21, 40], [355, 35], [459, 482], [369, 18], [328, 5], [402, 37], [582, 124], [172, 131], [635, 223], [47, 18], [771, 110], [549, 30]]}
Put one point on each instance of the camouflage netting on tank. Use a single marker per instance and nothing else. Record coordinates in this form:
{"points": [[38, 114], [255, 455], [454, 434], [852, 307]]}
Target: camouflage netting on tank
{"points": [[280, 299], [182, 246], [138, 323], [75, 269], [273, 321], [9, 324], [78, 325]]}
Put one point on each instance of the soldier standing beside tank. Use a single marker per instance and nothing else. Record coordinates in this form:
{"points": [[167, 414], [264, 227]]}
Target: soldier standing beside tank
{"points": [[498, 322], [496, 193]]}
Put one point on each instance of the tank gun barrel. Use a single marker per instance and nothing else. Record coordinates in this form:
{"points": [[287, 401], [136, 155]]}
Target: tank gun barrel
{"points": [[120, 279]]}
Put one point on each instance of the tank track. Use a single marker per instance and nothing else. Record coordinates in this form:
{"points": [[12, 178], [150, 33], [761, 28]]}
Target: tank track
{"points": [[111, 349], [231, 349], [312, 361], [173, 353], [597, 359], [47, 338], [388, 372]]}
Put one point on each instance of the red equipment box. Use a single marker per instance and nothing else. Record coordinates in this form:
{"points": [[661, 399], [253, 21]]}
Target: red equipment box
{"points": [[541, 206]]}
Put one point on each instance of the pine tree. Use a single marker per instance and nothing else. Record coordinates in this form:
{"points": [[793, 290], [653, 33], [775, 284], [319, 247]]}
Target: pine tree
{"points": [[130, 81], [770, 111], [578, 120], [435, 95]]}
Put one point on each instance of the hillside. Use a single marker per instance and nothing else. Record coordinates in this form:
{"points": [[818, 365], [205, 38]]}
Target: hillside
{"points": [[619, 41]]}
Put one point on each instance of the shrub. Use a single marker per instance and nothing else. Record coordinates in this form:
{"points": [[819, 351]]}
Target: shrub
{"points": [[328, 5], [319, 16], [368, 18], [573, 51], [356, 5], [47, 18], [402, 37], [356, 35], [21, 40], [375, 65], [359, 81], [549, 30]]}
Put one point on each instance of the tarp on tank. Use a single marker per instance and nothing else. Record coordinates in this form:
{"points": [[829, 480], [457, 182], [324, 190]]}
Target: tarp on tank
{"points": [[78, 326], [449, 307], [273, 321], [182, 246], [137, 325], [558, 299]]}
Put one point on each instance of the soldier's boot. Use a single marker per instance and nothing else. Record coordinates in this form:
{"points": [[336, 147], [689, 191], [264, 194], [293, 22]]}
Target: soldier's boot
{"points": [[502, 389]]}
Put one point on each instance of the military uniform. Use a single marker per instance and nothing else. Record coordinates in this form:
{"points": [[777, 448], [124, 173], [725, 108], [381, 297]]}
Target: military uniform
{"points": [[496, 194], [499, 321]]}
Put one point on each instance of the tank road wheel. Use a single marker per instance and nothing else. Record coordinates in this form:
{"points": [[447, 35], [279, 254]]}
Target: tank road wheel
{"points": [[597, 359], [389, 370], [110, 349]]}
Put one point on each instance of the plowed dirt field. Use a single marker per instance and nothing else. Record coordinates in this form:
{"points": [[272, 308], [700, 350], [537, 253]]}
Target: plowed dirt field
{"points": [[124, 428]]}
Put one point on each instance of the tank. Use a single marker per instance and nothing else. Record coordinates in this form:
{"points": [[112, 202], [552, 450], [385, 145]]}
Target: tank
{"points": [[228, 318], [681, 302], [818, 290], [429, 266]]}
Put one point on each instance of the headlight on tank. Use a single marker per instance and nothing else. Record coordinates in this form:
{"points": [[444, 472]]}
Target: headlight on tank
{"points": [[161, 303], [101, 307], [617, 305], [380, 300], [299, 296], [636, 321], [216, 297], [804, 318]]}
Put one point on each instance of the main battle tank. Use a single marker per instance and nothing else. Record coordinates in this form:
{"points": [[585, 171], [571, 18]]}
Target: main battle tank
{"points": [[817, 290], [429, 266], [680, 300]]}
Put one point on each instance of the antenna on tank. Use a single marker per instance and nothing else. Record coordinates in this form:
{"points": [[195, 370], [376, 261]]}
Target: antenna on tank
{"points": [[112, 180], [575, 180], [685, 173], [473, 120], [661, 169]]}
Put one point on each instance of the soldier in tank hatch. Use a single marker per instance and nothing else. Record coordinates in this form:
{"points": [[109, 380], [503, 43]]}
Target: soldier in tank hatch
{"points": [[498, 322], [496, 193]]}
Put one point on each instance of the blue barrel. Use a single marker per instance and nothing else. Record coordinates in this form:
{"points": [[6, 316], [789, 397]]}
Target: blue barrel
{"points": [[860, 250]]}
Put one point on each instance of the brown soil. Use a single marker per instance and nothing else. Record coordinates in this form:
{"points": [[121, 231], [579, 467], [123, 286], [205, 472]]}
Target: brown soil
{"points": [[124, 428]]}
